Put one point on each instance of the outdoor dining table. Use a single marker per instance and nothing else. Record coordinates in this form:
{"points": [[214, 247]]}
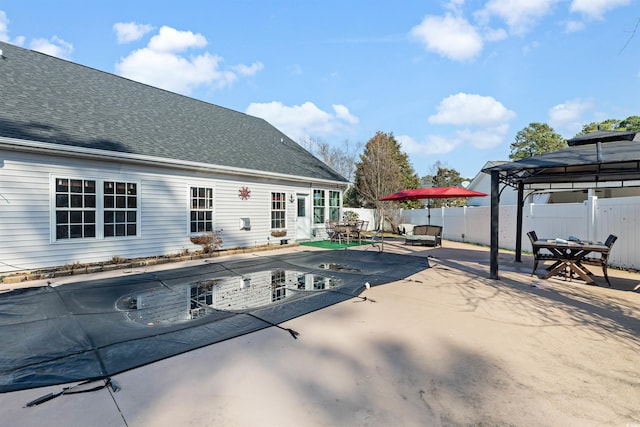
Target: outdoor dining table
{"points": [[570, 256], [347, 230]]}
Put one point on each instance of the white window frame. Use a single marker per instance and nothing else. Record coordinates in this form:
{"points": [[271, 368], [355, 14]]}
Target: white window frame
{"points": [[322, 208], [278, 207], [334, 208], [99, 207], [70, 209], [208, 208], [125, 209]]}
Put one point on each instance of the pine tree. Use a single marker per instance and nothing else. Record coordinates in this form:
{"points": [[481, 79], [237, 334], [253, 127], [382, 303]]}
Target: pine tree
{"points": [[537, 138]]}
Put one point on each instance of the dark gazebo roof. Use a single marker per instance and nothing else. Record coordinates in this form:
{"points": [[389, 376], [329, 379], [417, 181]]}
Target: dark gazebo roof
{"points": [[598, 159], [602, 136]]}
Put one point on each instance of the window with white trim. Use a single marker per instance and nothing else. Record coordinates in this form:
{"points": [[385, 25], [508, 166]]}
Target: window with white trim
{"points": [[278, 285], [318, 206], [334, 205], [278, 210], [75, 208], [201, 211], [120, 208]]}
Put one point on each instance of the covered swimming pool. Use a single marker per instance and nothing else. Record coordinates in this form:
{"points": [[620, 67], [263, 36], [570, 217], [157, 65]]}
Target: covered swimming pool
{"points": [[93, 329]]}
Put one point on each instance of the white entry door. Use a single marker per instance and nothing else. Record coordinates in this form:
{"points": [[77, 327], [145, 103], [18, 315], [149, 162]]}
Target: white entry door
{"points": [[303, 218]]}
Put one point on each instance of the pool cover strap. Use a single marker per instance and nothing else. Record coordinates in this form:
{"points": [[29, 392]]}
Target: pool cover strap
{"points": [[71, 390]]}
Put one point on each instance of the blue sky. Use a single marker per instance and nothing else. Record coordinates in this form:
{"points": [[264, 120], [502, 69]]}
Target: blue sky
{"points": [[453, 80]]}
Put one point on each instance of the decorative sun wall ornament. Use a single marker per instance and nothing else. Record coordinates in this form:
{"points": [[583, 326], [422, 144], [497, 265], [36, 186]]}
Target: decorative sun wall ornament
{"points": [[244, 193]]}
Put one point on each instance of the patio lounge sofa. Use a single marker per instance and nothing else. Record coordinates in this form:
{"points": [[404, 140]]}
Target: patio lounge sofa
{"points": [[425, 235]]}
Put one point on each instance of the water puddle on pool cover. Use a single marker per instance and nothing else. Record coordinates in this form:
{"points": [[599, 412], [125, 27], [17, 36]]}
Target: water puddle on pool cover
{"points": [[163, 306], [339, 267]]}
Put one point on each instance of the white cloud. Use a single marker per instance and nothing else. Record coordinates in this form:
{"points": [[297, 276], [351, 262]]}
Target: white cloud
{"points": [[301, 122], [130, 31], [433, 145], [485, 138], [454, 5], [595, 9], [171, 40], [569, 116], [160, 64], [519, 15], [343, 113], [574, 26], [4, 31], [465, 109], [437, 145], [4, 27], [482, 121], [249, 70], [455, 37], [449, 36], [54, 47], [173, 72], [530, 47], [494, 35]]}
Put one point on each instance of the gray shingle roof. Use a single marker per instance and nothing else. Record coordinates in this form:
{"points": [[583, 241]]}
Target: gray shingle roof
{"points": [[50, 100]]}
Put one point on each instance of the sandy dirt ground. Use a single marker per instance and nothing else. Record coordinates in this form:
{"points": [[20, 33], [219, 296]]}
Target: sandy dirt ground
{"points": [[445, 347]]}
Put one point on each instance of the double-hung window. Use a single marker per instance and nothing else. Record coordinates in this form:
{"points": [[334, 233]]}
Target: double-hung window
{"points": [[278, 285], [334, 205], [201, 210], [278, 210], [75, 208], [120, 208], [90, 208], [318, 206]]}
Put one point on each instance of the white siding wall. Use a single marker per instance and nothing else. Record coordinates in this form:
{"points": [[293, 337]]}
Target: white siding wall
{"points": [[27, 212]]}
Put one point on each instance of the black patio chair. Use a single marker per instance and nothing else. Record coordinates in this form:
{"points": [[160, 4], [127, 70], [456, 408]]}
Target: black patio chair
{"points": [[538, 254], [603, 259]]}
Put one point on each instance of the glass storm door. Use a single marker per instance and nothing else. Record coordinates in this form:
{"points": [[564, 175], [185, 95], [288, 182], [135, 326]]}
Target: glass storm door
{"points": [[303, 220]]}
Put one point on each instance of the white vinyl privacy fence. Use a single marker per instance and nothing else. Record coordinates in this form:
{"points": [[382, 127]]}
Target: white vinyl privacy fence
{"points": [[591, 220]]}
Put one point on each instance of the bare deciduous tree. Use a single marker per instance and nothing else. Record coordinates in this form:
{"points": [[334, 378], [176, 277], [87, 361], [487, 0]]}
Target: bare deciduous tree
{"points": [[341, 159]]}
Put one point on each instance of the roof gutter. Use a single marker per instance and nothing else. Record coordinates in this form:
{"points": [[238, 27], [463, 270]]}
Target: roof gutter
{"points": [[23, 145]]}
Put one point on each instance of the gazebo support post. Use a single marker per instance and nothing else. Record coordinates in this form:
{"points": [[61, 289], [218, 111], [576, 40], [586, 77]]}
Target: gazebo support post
{"points": [[495, 213], [519, 222]]}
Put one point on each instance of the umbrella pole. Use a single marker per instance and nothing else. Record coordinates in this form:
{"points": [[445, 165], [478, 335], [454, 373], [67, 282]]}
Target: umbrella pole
{"points": [[429, 212]]}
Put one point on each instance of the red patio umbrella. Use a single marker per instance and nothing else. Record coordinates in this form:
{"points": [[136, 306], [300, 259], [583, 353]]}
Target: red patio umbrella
{"points": [[432, 193]]}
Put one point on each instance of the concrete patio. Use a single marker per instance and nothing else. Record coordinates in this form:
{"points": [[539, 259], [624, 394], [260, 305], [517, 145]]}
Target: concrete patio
{"points": [[445, 346]]}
